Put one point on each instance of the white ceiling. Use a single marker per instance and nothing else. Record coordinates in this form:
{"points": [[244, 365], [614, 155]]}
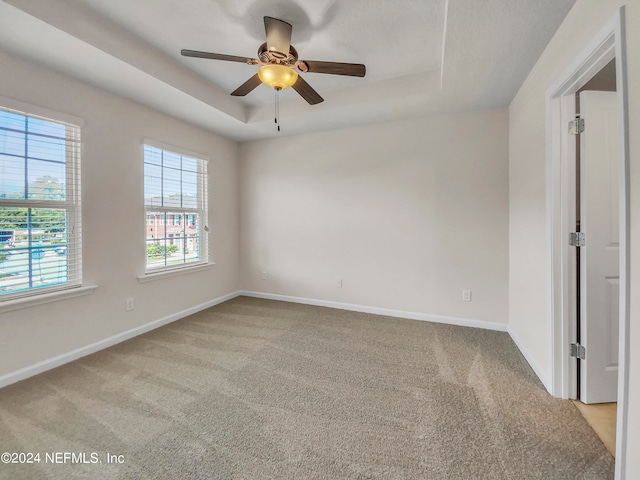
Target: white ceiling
{"points": [[422, 56]]}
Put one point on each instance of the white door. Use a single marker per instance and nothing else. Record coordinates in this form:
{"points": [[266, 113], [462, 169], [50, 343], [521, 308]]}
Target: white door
{"points": [[599, 258]]}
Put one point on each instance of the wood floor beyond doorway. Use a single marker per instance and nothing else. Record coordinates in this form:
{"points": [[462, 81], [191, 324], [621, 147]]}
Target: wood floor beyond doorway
{"points": [[602, 418]]}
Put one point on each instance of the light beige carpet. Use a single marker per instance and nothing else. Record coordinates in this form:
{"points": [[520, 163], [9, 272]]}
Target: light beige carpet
{"points": [[258, 389]]}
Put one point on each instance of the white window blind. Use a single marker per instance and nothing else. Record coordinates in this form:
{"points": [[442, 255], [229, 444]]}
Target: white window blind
{"points": [[175, 197], [40, 216]]}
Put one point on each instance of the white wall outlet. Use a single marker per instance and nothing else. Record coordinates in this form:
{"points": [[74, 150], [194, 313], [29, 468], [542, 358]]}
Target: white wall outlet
{"points": [[263, 275], [130, 304], [339, 283], [466, 295]]}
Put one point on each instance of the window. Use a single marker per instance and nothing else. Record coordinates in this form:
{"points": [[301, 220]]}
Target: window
{"points": [[175, 186], [40, 217]]}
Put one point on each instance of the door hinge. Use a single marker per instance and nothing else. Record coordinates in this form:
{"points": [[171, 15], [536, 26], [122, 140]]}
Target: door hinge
{"points": [[578, 351], [577, 239], [577, 126]]}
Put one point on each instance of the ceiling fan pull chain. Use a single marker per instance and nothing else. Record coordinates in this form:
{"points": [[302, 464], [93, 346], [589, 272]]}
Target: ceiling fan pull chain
{"points": [[277, 107]]}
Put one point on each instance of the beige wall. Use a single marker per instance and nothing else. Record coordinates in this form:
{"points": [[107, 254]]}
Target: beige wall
{"points": [[113, 217], [527, 218], [407, 214]]}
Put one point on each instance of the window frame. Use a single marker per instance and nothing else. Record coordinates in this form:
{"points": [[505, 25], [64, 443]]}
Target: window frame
{"points": [[201, 211], [72, 204]]}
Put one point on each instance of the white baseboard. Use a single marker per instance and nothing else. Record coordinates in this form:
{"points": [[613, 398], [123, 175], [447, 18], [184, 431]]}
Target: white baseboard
{"points": [[529, 358], [463, 322], [59, 360]]}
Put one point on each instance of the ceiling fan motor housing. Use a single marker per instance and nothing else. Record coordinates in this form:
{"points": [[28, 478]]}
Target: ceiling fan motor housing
{"points": [[272, 56]]}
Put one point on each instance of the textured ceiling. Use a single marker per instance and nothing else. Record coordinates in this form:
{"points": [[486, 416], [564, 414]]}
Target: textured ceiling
{"points": [[422, 56]]}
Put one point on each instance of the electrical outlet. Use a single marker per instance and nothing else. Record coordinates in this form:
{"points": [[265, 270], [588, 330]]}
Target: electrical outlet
{"points": [[130, 304], [466, 295], [339, 283], [263, 275]]}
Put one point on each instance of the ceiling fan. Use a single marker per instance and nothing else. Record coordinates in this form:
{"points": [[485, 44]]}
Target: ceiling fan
{"points": [[279, 64]]}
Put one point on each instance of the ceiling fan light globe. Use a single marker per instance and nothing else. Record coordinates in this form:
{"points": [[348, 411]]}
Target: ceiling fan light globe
{"points": [[277, 76]]}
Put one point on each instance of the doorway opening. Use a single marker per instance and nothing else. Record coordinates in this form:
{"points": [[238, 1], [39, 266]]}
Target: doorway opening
{"points": [[597, 260], [605, 50]]}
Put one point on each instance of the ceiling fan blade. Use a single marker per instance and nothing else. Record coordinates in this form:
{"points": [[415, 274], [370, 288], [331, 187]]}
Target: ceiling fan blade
{"points": [[247, 86], [218, 56], [278, 35], [336, 68], [309, 94]]}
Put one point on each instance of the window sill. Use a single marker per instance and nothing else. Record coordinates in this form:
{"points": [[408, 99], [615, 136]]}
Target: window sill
{"points": [[19, 303], [151, 277]]}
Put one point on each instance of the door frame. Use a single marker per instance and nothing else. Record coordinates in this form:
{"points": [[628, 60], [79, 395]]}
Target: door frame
{"points": [[607, 44]]}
